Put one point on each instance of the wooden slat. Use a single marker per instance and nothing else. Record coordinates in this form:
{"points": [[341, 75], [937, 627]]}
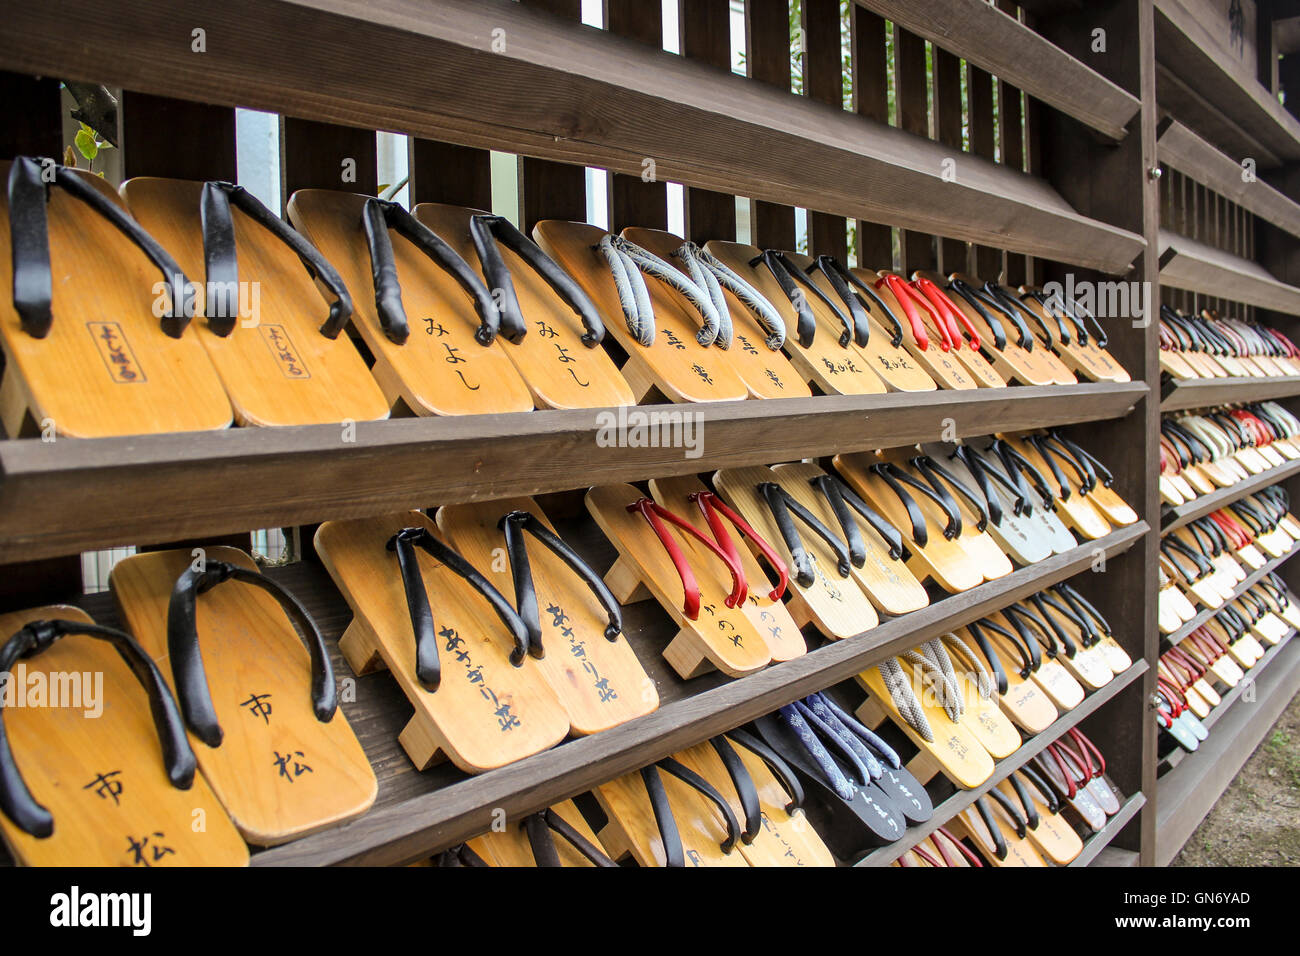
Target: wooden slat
{"points": [[162, 136], [823, 81], [948, 121], [983, 143], [351, 61], [871, 99], [1028, 750], [1195, 75], [705, 27], [1185, 151], [1100, 840], [404, 831], [448, 173], [305, 474], [31, 116], [1187, 793], [1177, 517], [1204, 392], [312, 156], [639, 200], [911, 97], [767, 59], [993, 41], [1193, 264]]}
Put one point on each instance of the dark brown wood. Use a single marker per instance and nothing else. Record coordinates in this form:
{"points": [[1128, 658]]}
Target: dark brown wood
{"points": [[1028, 750], [404, 829], [948, 121], [1181, 515], [638, 200], [1204, 392], [1011, 136], [31, 116], [871, 99], [688, 115], [767, 59], [318, 155], [983, 142], [910, 95], [705, 27], [989, 39], [1198, 266], [1186, 794], [27, 584], [447, 173], [161, 136], [823, 80], [306, 474]]}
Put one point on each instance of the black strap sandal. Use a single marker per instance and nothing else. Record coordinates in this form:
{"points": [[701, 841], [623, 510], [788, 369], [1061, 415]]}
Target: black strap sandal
{"points": [[850, 289], [841, 498], [30, 246], [896, 478], [538, 828], [669, 835], [790, 278], [427, 667], [938, 476], [781, 504], [16, 799]]}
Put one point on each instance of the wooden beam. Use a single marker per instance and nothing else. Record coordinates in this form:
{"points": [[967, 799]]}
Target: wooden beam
{"points": [[988, 38], [1194, 265]]}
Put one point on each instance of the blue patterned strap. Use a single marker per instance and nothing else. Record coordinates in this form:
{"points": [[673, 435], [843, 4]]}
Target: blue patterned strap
{"points": [[829, 738], [845, 736], [829, 768], [863, 733]]}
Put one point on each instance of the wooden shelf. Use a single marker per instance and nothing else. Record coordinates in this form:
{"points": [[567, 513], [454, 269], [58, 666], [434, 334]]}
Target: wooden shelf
{"points": [[994, 41], [1194, 266], [494, 74], [418, 813], [1204, 392], [205, 484], [1116, 858], [1251, 579], [1188, 792], [1033, 746], [1198, 82], [1100, 840], [1186, 152], [1177, 517]]}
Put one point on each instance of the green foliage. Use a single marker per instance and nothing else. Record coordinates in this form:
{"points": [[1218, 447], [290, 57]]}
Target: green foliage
{"points": [[90, 144]]}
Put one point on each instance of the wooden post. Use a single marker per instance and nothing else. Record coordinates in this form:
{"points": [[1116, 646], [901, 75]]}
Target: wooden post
{"points": [[953, 253], [705, 27], [910, 82], [871, 99], [448, 173], [637, 200], [823, 80], [767, 56], [178, 139], [979, 93]]}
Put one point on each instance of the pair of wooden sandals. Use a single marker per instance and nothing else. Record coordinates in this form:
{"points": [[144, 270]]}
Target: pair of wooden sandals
{"points": [[965, 699], [214, 722], [492, 680], [1209, 346]]}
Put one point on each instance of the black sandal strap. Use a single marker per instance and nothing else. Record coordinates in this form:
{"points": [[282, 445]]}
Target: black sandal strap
{"points": [[1042, 786], [1050, 445], [781, 504], [1026, 802], [744, 786], [222, 264], [1099, 470], [1021, 467], [514, 524], [789, 780], [35, 637], [785, 271], [187, 658], [427, 667], [1030, 652], [693, 779], [1035, 631], [864, 288], [995, 831], [487, 230], [839, 278], [973, 299], [986, 473], [896, 478], [380, 215], [538, 826], [842, 498], [1063, 490], [1018, 819], [1045, 617], [1045, 599], [932, 471], [29, 241], [669, 836]]}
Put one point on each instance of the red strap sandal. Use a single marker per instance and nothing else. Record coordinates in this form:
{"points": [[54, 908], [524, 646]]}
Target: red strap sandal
{"points": [[655, 515]]}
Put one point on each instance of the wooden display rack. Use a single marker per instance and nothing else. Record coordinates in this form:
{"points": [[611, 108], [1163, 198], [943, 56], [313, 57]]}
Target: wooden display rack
{"points": [[1059, 183]]}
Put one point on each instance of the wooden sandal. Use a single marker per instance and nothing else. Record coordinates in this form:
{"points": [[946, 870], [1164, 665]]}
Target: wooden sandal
{"points": [[687, 497], [934, 523], [284, 762], [1049, 833], [1079, 617], [701, 587], [999, 830], [487, 707], [591, 667], [1084, 353], [1040, 644], [422, 311], [669, 344], [827, 342], [531, 843], [102, 796], [847, 567], [280, 364], [956, 331], [1058, 492], [1021, 698], [120, 359]]}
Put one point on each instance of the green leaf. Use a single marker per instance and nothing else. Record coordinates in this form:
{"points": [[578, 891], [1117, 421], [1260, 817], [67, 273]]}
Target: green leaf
{"points": [[86, 144]]}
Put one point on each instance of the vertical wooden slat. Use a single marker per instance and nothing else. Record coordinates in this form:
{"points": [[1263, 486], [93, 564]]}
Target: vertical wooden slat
{"points": [[705, 27], [767, 56], [871, 99], [1010, 117], [550, 190], [449, 173], [313, 156], [31, 124], [910, 94], [948, 124], [823, 80], [979, 93], [636, 200], [161, 136]]}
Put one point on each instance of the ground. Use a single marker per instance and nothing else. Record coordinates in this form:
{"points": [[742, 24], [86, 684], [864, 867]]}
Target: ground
{"points": [[1257, 820]]}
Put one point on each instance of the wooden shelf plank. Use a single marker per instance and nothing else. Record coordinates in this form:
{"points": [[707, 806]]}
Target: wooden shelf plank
{"points": [[1100, 840], [433, 811], [994, 41], [1222, 101], [1204, 392], [1180, 148], [1031, 748], [204, 484], [493, 73], [1188, 792], [1207, 613], [1177, 517], [1114, 857], [1192, 265]]}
